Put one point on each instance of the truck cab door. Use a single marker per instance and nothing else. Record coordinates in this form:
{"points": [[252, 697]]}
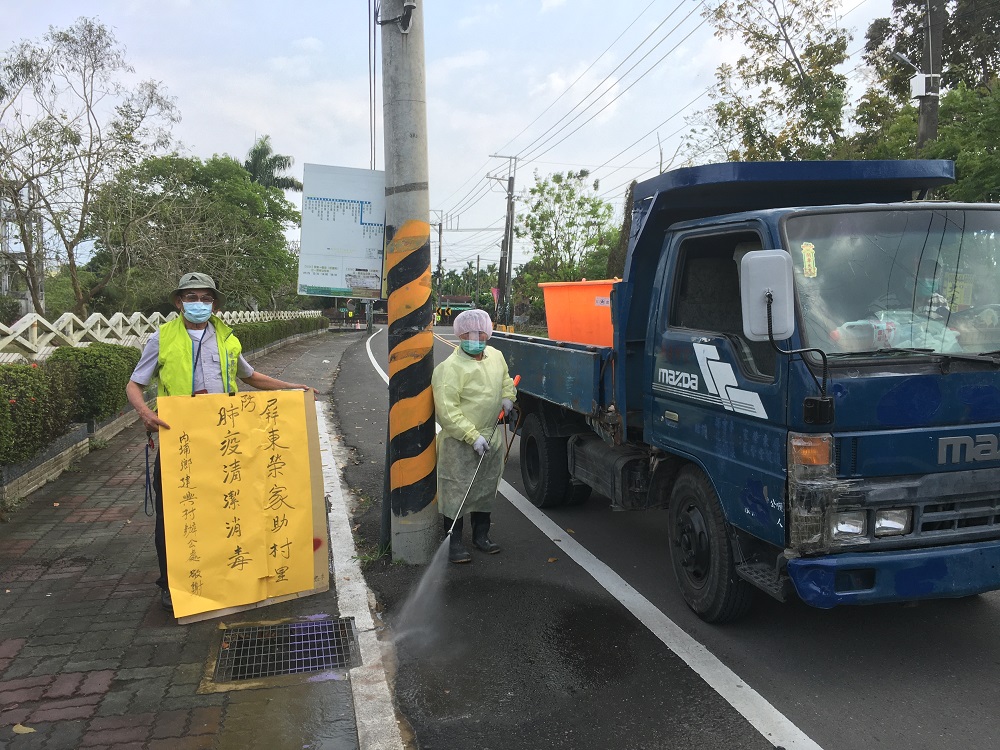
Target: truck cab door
{"points": [[710, 394]]}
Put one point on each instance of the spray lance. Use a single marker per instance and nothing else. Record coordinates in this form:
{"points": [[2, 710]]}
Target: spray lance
{"points": [[489, 441]]}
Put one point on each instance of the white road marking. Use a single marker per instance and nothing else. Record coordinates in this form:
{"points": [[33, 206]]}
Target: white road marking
{"points": [[763, 716], [374, 710], [368, 346]]}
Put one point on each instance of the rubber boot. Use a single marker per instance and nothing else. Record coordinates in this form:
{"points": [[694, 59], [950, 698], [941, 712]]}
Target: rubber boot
{"points": [[480, 531], [456, 552]]}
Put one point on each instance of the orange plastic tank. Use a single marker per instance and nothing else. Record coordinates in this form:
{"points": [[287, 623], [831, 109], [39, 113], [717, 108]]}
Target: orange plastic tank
{"points": [[579, 311]]}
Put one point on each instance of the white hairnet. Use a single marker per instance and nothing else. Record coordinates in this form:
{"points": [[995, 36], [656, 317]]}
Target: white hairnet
{"points": [[473, 320]]}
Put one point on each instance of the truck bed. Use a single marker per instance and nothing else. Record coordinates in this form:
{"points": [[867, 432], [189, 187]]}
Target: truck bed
{"points": [[577, 377]]}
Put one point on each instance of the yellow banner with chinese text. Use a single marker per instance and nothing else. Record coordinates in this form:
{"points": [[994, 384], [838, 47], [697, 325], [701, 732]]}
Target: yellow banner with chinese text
{"points": [[237, 497]]}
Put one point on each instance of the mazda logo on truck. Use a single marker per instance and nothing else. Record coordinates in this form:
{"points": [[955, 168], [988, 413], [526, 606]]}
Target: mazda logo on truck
{"points": [[966, 449]]}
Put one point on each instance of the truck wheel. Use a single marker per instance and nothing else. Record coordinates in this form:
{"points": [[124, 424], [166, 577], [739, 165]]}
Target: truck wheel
{"points": [[544, 468], [700, 553]]}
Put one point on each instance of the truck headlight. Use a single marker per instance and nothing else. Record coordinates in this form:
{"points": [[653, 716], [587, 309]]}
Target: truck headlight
{"points": [[893, 521], [812, 489], [848, 524]]}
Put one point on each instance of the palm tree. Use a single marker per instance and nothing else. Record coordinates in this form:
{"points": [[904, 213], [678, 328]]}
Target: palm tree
{"points": [[263, 165]]}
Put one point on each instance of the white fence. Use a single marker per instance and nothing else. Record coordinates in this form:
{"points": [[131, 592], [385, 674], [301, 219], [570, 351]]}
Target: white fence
{"points": [[33, 338]]}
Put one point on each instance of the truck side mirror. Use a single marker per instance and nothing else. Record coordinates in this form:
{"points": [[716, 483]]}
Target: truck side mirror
{"points": [[763, 272]]}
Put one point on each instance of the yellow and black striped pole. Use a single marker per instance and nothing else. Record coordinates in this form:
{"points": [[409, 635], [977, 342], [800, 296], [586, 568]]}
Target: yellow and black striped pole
{"points": [[411, 471], [412, 456]]}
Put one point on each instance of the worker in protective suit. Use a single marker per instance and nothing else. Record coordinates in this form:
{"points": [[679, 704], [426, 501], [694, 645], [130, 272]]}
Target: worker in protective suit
{"points": [[470, 387]]}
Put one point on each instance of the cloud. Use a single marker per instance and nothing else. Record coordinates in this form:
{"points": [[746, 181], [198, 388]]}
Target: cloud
{"points": [[484, 14], [548, 5], [308, 44], [309, 52], [443, 67]]}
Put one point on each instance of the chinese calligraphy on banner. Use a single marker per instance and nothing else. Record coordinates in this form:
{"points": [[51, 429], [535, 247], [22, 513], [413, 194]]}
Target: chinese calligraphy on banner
{"points": [[238, 497]]}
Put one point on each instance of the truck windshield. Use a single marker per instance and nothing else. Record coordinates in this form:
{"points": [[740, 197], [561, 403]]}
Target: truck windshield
{"points": [[923, 278]]}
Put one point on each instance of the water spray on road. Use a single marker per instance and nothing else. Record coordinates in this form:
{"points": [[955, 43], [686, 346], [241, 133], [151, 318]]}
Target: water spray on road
{"points": [[417, 623]]}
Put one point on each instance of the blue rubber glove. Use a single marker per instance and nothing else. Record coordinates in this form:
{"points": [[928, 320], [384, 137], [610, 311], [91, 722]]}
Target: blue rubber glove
{"points": [[481, 446]]}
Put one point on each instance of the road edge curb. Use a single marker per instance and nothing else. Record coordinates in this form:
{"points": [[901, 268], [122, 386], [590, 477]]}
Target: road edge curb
{"points": [[374, 709]]}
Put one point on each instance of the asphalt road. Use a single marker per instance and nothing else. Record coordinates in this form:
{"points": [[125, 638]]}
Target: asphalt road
{"points": [[530, 651]]}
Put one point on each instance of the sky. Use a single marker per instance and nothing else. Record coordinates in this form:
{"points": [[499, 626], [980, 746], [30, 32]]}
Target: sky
{"points": [[561, 84]]}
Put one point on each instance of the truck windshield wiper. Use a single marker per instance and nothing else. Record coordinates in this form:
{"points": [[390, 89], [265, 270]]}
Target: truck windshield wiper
{"points": [[884, 350], [993, 356]]}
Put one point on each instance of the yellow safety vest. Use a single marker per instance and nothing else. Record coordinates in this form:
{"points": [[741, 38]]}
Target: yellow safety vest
{"points": [[175, 365]]}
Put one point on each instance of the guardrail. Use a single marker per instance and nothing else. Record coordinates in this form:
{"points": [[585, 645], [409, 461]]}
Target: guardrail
{"points": [[33, 338]]}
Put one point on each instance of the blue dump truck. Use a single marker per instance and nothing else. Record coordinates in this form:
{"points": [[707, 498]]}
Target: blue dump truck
{"points": [[804, 375]]}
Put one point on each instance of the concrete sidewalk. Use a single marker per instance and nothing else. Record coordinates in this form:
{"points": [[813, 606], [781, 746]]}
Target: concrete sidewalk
{"points": [[88, 659]]}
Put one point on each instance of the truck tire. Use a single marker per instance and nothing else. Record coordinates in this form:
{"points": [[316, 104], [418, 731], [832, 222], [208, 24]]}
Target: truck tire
{"points": [[544, 466], [700, 552]]}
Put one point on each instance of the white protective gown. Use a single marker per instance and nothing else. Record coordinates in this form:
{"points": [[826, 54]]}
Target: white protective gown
{"points": [[467, 399]]}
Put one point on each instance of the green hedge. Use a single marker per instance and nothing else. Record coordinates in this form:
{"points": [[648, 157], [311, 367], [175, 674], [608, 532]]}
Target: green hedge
{"points": [[102, 371], [35, 408], [39, 402], [258, 335]]}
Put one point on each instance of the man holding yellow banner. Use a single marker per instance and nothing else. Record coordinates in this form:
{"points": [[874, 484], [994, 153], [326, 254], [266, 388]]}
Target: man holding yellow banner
{"points": [[196, 353]]}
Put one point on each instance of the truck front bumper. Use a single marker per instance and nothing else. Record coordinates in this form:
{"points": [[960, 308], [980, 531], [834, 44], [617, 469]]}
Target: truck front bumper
{"points": [[897, 575]]}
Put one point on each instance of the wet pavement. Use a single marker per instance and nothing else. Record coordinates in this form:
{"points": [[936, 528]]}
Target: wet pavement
{"points": [[88, 659], [522, 649]]}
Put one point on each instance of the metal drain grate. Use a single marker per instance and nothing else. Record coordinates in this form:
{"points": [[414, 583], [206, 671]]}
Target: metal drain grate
{"points": [[256, 651]]}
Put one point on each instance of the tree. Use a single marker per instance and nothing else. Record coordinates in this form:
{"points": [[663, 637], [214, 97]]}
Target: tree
{"points": [[970, 49], [69, 122], [564, 216], [784, 99], [968, 133], [170, 215], [571, 231], [264, 165], [619, 253]]}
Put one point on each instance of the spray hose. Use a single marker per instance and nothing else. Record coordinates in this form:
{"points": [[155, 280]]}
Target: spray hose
{"points": [[513, 433], [489, 441]]}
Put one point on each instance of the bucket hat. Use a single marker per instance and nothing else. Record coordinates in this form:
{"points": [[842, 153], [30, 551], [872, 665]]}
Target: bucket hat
{"points": [[198, 281]]}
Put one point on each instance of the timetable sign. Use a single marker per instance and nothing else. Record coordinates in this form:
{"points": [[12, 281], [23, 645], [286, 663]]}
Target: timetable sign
{"points": [[343, 232]]}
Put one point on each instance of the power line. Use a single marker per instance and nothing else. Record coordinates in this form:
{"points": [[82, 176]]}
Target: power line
{"points": [[475, 194], [580, 77], [607, 78], [372, 51], [472, 197], [646, 135], [622, 92]]}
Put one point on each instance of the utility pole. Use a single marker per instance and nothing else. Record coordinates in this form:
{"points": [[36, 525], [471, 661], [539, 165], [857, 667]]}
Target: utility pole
{"points": [[477, 282], [507, 246], [931, 61], [502, 275], [411, 462], [440, 273], [442, 217]]}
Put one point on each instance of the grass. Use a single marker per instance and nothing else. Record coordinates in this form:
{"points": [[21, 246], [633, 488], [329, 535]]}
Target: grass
{"points": [[371, 555]]}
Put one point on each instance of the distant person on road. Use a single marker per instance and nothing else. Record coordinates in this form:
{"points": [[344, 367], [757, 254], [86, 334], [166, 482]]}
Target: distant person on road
{"points": [[194, 353], [470, 387]]}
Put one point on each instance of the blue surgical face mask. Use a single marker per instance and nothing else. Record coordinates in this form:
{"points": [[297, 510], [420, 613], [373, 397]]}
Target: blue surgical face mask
{"points": [[474, 348], [197, 312]]}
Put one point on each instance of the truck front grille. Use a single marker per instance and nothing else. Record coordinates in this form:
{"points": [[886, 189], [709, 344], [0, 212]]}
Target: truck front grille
{"points": [[957, 516]]}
